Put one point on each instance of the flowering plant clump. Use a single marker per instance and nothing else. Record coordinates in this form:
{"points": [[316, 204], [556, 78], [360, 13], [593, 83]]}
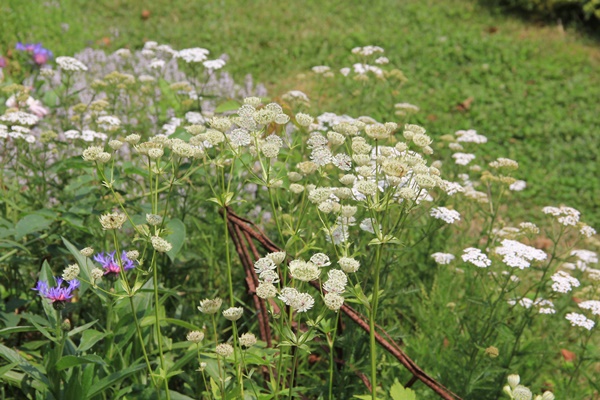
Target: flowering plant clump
{"points": [[335, 219]]}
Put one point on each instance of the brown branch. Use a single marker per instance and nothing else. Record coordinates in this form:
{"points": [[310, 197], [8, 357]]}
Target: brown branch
{"points": [[251, 231]]}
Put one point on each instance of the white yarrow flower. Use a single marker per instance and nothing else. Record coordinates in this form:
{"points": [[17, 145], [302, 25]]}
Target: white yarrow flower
{"points": [[70, 64], [519, 255], [580, 320], [445, 214], [476, 257], [443, 258]]}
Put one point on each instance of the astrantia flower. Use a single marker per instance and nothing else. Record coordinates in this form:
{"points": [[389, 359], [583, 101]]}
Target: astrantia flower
{"points": [[445, 214], [224, 350], [337, 281], [519, 255], [110, 264], [320, 260], [195, 336], [57, 295], [476, 257], [302, 302], [210, 306], [580, 320], [112, 220], [442, 258], [247, 339], [233, 313], [333, 301], [303, 270]]}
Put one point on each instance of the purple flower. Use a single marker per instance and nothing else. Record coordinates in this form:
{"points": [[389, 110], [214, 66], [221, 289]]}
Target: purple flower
{"points": [[2, 62], [57, 295], [111, 265], [39, 54]]}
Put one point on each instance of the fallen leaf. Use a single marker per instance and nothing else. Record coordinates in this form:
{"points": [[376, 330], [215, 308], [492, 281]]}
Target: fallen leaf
{"points": [[105, 41], [492, 29], [432, 117], [465, 105], [568, 355]]}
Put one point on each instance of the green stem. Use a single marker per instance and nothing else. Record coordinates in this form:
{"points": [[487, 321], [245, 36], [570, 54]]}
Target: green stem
{"points": [[372, 315]]}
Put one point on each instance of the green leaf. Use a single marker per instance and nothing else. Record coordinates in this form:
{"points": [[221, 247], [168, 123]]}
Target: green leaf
{"points": [[82, 328], [14, 357], [89, 338], [230, 105], [17, 329], [110, 380], [72, 361], [31, 223], [181, 323], [176, 237], [399, 392], [85, 267]]}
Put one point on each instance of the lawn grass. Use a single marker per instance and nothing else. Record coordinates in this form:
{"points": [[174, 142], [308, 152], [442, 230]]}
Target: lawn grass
{"points": [[535, 89]]}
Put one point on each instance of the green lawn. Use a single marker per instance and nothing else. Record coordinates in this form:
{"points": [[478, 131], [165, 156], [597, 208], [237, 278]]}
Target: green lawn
{"points": [[535, 89]]}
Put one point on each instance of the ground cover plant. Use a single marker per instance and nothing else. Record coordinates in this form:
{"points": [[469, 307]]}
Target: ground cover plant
{"points": [[131, 177]]}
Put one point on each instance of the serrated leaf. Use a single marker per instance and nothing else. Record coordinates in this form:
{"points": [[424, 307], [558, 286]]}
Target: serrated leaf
{"points": [[399, 392]]}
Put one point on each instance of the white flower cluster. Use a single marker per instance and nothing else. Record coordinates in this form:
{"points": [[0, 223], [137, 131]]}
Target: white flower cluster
{"points": [[193, 55], [463, 158], [580, 320], [19, 117], [476, 257], [445, 214], [266, 269], [566, 216], [563, 282], [443, 258], [367, 50], [335, 285], [470, 136], [301, 302], [584, 258], [517, 186], [70, 64], [592, 305], [87, 135], [544, 306], [519, 255], [214, 65]]}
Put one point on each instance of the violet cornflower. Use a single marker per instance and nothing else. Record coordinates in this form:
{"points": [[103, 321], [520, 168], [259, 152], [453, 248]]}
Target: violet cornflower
{"points": [[39, 54], [57, 295], [111, 265]]}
